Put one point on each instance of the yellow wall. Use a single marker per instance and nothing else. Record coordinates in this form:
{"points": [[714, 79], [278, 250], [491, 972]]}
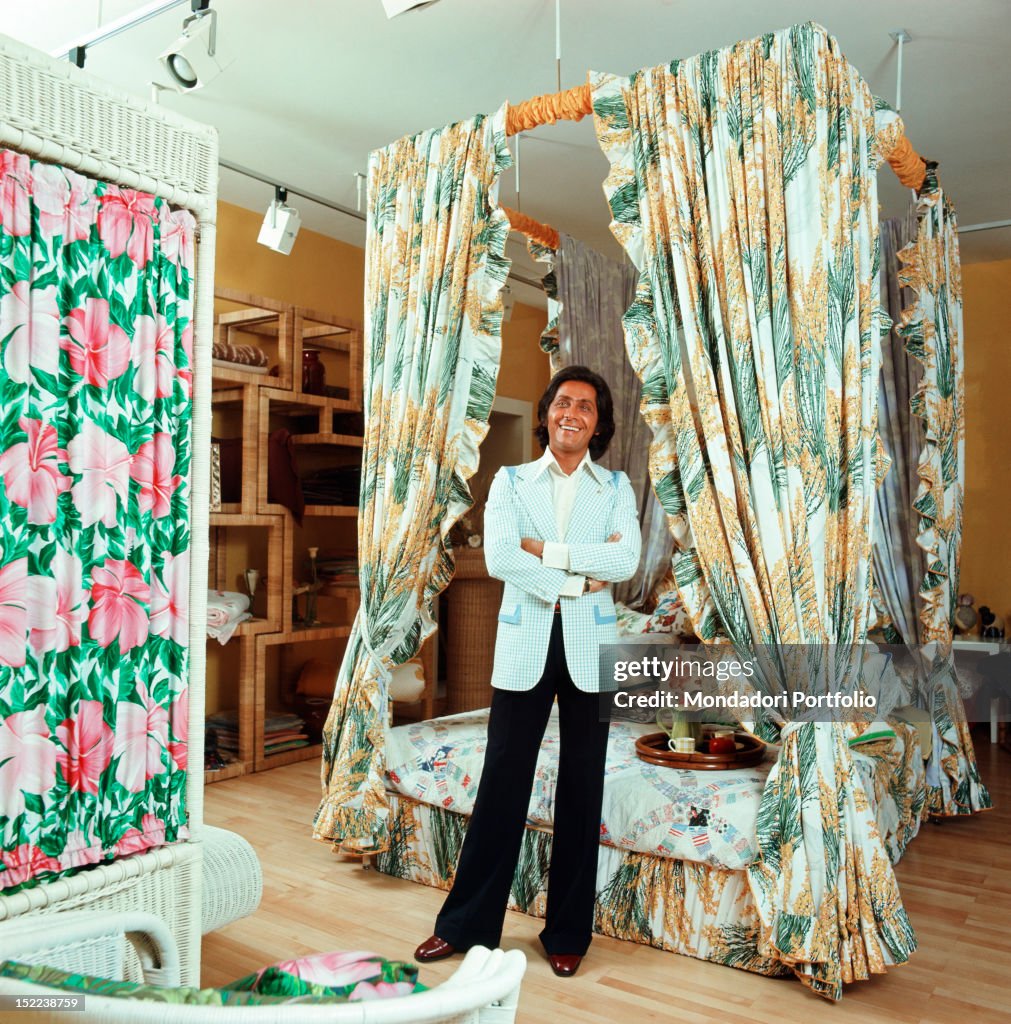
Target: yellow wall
{"points": [[986, 538], [329, 276], [320, 273], [525, 370]]}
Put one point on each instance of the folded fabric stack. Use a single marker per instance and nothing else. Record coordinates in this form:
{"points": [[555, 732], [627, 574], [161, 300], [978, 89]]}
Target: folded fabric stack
{"points": [[225, 610], [224, 725], [337, 569], [246, 357], [283, 731], [337, 486]]}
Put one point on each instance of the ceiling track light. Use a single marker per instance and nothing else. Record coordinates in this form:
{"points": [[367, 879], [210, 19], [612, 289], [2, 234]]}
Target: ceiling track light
{"points": [[75, 50], [280, 225], [193, 59], [394, 8]]}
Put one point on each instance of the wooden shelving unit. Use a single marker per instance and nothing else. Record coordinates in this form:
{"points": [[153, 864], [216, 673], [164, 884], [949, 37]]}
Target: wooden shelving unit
{"points": [[256, 671], [343, 511], [230, 771]]}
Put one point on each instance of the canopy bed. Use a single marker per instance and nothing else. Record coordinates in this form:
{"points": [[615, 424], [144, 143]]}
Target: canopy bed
{"points": [[107, 257], [743, 188]]}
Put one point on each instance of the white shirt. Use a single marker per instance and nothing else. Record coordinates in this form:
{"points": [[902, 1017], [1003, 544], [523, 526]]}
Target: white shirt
{"points": [[563, 496]]}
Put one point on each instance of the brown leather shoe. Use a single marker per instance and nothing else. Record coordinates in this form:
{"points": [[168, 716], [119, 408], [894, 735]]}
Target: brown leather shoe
{"points": [[564, 964], [433, 948]]}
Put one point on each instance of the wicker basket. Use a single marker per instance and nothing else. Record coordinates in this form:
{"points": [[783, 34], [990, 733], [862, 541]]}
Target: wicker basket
{"points": [[472, 600]]}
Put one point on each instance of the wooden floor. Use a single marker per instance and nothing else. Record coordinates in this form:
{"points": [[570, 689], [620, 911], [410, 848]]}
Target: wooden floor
{"points": [[955, 881]]}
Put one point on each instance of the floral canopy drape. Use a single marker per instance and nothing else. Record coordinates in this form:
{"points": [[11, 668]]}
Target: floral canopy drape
{"points": [[743, 186], [435, 267], [932, 330], [931, 327], [899, 566], [921, 280], [95, 411]]}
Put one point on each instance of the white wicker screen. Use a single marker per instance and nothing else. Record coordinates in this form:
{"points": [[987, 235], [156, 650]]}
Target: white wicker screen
{"points": [[55, 112]]}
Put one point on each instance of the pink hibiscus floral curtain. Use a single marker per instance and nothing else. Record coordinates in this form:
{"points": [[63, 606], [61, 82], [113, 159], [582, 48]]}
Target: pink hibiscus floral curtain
{"points": [[95, 410]]}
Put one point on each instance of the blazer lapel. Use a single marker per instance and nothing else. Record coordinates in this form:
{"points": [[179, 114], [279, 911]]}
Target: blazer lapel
{"points": [[535, 494], [589, 504]]}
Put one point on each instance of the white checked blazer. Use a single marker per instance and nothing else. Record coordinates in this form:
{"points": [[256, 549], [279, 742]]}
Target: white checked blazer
{"points": [[520, 505]]}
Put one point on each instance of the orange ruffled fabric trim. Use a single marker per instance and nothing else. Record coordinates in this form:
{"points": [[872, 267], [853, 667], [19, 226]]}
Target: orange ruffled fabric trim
{"points": [[570, 105], [543, 234], [910, 168]]}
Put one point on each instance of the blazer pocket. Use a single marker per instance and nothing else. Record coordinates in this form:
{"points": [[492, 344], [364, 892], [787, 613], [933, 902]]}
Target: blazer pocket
{"points": [[512, 618], [601, 618]]}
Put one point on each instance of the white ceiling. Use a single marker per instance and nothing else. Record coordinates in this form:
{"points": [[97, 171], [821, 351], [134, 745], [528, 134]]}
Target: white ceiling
{"points": [[317, 84]]}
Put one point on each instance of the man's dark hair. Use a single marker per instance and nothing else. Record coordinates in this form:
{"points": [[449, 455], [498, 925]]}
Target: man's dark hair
{"points": [[605, 407]]}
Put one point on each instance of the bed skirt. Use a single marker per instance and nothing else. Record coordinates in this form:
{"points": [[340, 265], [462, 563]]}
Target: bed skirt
{"points": [[676, 905]]}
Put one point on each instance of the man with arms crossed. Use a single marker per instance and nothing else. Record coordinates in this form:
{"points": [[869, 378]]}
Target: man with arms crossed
{"points": [[558, 531]]}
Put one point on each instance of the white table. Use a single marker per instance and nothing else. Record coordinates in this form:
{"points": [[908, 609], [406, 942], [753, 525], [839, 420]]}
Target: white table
{"points": [[968, 645]]}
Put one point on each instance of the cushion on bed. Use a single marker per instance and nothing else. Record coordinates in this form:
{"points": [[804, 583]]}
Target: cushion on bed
{"points": [[668, 617]]}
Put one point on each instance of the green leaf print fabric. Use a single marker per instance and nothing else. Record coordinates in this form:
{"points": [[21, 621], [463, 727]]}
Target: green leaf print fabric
{"points": [[318, 978], [933, 333], [743, 186], [434, 271]]}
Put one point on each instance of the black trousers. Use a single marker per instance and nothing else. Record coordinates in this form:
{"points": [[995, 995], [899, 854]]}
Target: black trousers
{"points": [[474, 911]]}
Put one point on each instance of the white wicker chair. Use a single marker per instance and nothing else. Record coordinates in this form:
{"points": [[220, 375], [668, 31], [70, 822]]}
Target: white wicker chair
{"points": [[484, 989], [232, 878], [54, 112]]}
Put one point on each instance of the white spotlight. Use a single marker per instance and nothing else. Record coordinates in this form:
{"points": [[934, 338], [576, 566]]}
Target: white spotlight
{"points": [[193, 59], [395, 7], [280, 225]]}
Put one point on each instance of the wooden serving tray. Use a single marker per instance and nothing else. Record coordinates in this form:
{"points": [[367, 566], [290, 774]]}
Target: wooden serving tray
{"points": [[653, 749]]}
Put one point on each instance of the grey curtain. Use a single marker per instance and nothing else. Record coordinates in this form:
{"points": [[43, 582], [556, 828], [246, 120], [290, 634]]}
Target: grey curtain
{"points": [[899, 563], [594, 292]]}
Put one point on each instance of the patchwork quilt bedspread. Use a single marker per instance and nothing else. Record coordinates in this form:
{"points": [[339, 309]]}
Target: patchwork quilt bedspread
{"points": [[705, 817]]}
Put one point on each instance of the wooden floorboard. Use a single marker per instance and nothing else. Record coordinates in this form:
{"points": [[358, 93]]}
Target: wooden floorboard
{"points": [[955, 880]]}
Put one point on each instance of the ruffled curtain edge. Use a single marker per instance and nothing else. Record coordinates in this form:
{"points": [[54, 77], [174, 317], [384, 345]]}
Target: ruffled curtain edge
{"points": [[356, 829]]}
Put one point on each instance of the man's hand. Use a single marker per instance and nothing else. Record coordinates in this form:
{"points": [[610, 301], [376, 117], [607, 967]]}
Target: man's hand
{"points": [[536, 547], [594, 585]]}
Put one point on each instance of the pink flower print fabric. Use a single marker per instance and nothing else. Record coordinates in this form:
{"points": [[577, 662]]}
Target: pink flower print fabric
{"points": [[96, 353]]}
